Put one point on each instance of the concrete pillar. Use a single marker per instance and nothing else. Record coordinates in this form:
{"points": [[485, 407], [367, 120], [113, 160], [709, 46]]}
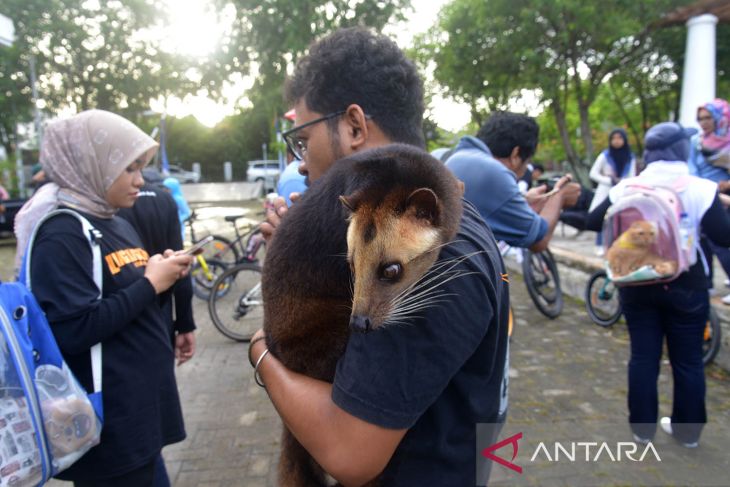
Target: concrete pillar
{"points": [[698, 84], [228, 171]]}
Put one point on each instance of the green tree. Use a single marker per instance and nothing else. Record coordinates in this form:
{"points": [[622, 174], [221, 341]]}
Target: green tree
{"points": [[15, 99], [564, 49], [96, 55]]}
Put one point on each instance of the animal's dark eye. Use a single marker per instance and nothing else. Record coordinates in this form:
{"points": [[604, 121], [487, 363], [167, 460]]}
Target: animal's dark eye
{"points": [[391, 272]]}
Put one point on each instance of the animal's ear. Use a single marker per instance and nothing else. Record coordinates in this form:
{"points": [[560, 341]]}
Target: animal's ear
{"points": [[350, 202], [424, 203]]}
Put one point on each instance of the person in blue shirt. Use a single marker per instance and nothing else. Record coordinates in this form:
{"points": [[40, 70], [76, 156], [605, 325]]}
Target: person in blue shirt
{"points": [[714, 120], [291, 181], [183, 210], [490, 165]]}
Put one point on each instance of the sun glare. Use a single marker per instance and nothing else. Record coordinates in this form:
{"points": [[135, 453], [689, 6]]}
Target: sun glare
{"points": [[194, 27]]}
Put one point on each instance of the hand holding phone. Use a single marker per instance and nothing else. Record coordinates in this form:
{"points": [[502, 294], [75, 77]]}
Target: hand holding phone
{"points": [[198, 247]]}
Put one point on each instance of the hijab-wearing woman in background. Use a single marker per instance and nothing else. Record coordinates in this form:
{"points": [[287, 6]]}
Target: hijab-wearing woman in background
{"points": [[183, 210], [676, 311], [95, 160], [709, 152], [611, 166]]}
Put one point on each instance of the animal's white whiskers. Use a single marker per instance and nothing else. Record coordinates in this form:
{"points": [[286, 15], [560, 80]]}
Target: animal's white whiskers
{"points": [[434, 273]]}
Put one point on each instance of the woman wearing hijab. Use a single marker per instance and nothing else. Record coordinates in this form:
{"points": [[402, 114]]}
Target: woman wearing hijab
{"points": [[95, 160], [708, 155], [183, 210], [612, 165], [676, 310]]}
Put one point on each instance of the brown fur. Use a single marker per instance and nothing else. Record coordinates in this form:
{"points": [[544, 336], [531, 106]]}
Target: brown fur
{"points": [[632, 250], [393, 205]]}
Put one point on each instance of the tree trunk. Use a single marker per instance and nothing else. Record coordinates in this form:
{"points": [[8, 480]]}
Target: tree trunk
{"points": [[585, 131], [560, 121]]}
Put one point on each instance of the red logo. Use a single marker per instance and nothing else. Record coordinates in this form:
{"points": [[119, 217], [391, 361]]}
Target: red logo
{"points": [[489, 452]]}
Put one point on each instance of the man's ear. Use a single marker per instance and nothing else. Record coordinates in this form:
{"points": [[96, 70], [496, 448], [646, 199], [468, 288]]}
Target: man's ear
{"points": [[357, 127]]}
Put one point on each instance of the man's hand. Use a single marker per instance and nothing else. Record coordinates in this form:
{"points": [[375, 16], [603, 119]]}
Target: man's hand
{"points": [[184, 347], [535, 197], [274, 215], [723, 186], [570, 193]]}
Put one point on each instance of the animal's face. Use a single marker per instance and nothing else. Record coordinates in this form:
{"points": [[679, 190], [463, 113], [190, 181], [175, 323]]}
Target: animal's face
{"points": [[641, 234], [391, 245]]}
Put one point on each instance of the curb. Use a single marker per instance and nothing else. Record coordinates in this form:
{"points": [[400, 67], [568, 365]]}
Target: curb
{"points": [[575, 269]]}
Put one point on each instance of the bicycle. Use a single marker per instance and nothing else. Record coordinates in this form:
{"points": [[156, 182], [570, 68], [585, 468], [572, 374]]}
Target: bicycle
{"points": [[604, 309], [221, 253], [543, 282], [541, 277], [235, 302]]}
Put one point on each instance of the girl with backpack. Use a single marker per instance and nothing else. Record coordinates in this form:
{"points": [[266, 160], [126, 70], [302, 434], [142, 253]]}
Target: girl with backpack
{"points": [[94, 160], [676, 310]]}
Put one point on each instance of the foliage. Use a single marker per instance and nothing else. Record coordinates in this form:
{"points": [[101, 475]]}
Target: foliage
{"points": [[95, 54], [565, 50]]}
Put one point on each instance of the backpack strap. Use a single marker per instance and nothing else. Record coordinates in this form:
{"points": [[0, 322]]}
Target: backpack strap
{"points": [[93, 236]]}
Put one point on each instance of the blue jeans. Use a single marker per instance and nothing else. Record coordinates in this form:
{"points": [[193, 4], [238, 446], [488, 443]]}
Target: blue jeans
{"points": [[652, 313]]}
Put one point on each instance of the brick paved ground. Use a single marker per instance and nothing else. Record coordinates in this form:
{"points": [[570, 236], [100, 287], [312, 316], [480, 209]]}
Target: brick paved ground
{"points": [[568, 381]]}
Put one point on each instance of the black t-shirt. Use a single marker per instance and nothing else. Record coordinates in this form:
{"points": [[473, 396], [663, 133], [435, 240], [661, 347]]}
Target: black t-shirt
{"points": [[441, 374], [141, 404], [154, 217]]}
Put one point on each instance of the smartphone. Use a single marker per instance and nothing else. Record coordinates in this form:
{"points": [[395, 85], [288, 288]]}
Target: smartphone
{"points": [[549, 182], [198, 247]]}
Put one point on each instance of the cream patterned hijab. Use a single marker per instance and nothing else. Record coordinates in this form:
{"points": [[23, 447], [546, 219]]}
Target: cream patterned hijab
{"points": [[82, 156]]}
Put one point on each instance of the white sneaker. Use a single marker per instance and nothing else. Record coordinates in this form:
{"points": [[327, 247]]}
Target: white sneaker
{"points": [[727, 282], [639, 439], [726, 300], [666, 424]]}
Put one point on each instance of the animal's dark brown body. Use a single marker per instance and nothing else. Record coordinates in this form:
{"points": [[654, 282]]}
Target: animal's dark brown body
{"points": [[307, 280]]}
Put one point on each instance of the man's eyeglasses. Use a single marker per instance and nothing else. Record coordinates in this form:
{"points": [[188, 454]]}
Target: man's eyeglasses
{"points": [[299, 146]]}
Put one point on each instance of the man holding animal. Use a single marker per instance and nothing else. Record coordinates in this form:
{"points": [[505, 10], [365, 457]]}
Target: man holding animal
{"points": [[491, 164], [406, 398]]}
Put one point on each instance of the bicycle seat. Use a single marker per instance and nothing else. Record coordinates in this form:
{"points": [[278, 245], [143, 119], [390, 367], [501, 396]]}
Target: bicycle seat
{"points": [[233, 218]]}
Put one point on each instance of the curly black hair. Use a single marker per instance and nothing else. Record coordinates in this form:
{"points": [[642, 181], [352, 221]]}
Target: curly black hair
{"points": [[354, 65], [503, 131]]}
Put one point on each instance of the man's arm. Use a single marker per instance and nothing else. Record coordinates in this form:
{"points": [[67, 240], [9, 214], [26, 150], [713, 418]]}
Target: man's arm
{"points": [[567, 194], [362, 449]]}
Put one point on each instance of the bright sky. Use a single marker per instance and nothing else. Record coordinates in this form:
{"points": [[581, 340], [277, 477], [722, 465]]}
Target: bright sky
{"points": [[196, 29]]}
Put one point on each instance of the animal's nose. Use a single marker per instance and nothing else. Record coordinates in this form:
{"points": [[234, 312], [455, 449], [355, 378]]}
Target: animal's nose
{"points": [[360, 323]]}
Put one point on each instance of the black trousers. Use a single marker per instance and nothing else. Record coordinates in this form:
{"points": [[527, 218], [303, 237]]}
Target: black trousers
{"points": [[141, 477]]}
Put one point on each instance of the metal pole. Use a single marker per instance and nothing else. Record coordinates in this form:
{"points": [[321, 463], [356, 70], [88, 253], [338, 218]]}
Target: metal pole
{"points": [[34, 91]]}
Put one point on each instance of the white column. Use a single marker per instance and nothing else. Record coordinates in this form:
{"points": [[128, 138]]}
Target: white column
{"points": [[698, 84]]}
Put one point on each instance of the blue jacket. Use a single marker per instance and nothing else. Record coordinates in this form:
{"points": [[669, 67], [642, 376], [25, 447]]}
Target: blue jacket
{"points": [[492, 188], [700, 167]]}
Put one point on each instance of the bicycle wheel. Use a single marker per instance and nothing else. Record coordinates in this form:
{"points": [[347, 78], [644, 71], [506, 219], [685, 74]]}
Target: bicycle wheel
{"points": [[237, 307], [712, 338], [543, 282], [204, 275], [222, 250], [602, 301]]}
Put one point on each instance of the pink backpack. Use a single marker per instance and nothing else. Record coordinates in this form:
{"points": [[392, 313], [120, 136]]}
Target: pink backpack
{"points": [[648, 237]]}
